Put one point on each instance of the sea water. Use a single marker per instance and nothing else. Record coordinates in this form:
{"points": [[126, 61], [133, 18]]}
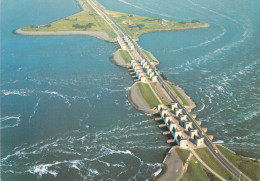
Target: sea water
{"points": [[64, 112], [218, 67]]}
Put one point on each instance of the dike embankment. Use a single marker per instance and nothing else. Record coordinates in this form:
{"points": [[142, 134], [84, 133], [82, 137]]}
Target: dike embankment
{"points": [[117, 59], [136, 99], [97, 34]]}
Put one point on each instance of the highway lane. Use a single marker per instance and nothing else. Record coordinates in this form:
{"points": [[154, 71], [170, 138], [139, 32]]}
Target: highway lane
{"points": [[229, 166]]}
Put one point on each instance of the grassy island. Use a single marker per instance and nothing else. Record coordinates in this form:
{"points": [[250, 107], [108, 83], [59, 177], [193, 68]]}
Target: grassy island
{"points": [[196, 171], [125, 55], [184, 101], [183, 154], [212, 162], [148, 95], [250, 167], [87, 20], [90, 21], [136, 25]]}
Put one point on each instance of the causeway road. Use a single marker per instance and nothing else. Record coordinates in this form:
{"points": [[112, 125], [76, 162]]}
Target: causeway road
{"points": [[213, 149]]}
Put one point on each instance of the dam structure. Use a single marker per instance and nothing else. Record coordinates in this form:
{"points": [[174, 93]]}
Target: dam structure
{"points": [[182, 126]]}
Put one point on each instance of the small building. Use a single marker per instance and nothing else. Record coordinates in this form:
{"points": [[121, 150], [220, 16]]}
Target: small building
{"points": [[151, 74], [172, 126], [167, 119], [183, 142], [187, 125], [154, 78], [174, 105], [164, 113], [148, 71], [177, 133], [178, 112], [142, 61], [133, 61], [141, 74], [199, 141], [145, 65], [183, 117], [193, 133], [143, 79], [138, 71], [121, 43], [160, 107]]}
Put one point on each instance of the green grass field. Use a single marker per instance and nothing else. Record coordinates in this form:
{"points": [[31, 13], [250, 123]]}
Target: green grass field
{"points": [[210, 160], [136, 25], [148, 56], [84, 21], [183, 154], [249, 167], [163, 101], [125, 55], [148, 95], [184, 101], [196, 171]]}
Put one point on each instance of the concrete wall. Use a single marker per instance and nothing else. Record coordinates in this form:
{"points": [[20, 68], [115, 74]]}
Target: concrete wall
{"points": [[187, 125], [160, 107], [178, 112], [164, 113], [174, 106], [154, 78], [199, 141]]}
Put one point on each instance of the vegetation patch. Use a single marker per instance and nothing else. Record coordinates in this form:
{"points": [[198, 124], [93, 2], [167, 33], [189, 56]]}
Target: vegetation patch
{"points": [[183, 154], [196, 171], [125, 55], [162, 100], [89, 25], [136, 25], [184, 101], [148, 95], [84, 21], [249, 167], [211, 161]]}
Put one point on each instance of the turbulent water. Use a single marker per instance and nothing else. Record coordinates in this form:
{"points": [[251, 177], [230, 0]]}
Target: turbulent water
{"points": [[64, 110]]}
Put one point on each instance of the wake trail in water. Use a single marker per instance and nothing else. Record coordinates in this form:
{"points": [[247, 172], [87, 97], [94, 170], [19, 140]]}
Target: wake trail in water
{"points": [[35, 108], [10, 121], [247, 32], [205, 43], [149, 10]]}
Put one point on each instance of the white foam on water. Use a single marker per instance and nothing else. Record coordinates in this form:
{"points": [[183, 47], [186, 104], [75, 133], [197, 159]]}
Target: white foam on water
{"points": [[246, 34], [4, 121], [35, 109], [218, 142], [43, 169], [20, 92], [149, 10], [206, 42], [53, 93]]}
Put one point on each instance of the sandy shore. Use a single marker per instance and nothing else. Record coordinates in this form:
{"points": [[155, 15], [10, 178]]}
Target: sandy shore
{"points": [[172, 167], [97, 34], [117, 59], [136, 99]]}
